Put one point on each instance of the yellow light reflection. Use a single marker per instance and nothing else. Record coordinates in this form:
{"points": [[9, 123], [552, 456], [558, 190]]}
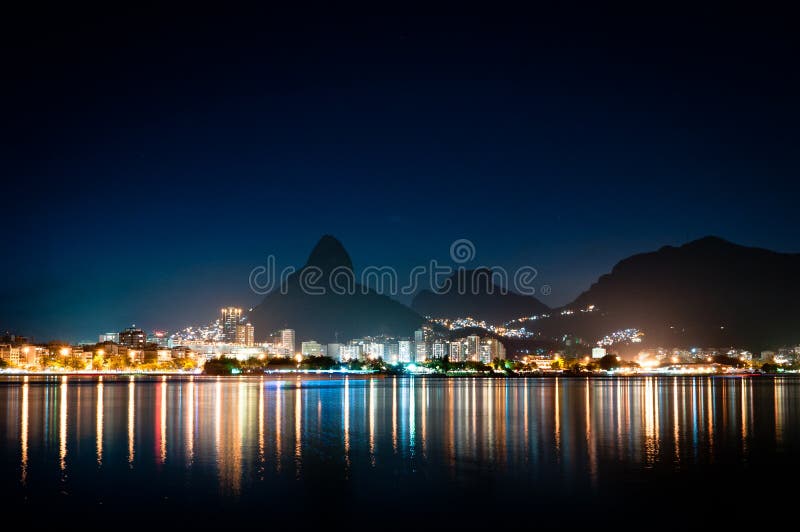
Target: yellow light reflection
{"points": [[62, 428], [779, 413], [261, 424], [162, 429], [99, 416], [189, 423], [278, 396], [23, 437], [131, 420], [298, 425], [557, 412]]}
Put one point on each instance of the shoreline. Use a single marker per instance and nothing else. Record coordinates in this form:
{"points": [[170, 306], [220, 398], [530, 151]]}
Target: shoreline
{"points": [[365, 373]]}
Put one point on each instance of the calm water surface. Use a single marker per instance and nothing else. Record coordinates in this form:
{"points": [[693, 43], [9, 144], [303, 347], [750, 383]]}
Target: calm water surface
{"points": [[352, 450]]}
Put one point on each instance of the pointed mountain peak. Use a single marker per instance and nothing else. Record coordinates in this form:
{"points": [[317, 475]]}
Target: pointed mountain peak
{"points": [[328, 254]]}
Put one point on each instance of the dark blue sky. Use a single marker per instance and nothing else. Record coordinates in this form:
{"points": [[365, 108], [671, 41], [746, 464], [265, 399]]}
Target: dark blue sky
{"points": [[151, 159]]}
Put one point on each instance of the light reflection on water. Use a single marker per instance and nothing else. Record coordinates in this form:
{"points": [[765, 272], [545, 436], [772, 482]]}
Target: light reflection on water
{"points": [[224, 439]]}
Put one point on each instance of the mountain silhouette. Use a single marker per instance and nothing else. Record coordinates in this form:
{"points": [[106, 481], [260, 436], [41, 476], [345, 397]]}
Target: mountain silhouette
{"points": [[709, 292], [331, 316], [473, 293]]}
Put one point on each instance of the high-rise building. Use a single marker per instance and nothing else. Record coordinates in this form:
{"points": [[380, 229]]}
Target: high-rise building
{"points": [[471, 349], [439, 349], [108, 337], [350, 352], [311, 349], [287, 340], [456, 351], [420, 351], [404, 351], [245, 335], [490, 349], [132, 337], [230, 320], [391, 352], [334, 351], [374, 350]]}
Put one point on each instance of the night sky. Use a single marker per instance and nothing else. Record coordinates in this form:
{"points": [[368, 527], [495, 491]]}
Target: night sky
{"points": [[152, 158]]}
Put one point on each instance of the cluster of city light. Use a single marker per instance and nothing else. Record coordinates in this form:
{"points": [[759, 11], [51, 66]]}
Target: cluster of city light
{"points": [[209, 333], [469, 322], [565, 312], [624, 336]]}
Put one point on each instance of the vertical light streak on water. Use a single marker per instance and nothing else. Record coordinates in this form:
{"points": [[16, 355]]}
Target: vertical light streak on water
{"points": [[590, 439], [451, 429], [163, 420], [261, 425], [131, 420], [778, 386], [525, 421], [99, 430], [62, 427], [694, 407], [676, 421], [710, 416], [412, 414], [372, 422], [557, 420], [189, 422], [618, 405], [298, 427], [424, 416], [472, 436], [23, 434], [218, 423], [489, 400], [346, 424], [744, 406], [394, 414], [278, 423]]}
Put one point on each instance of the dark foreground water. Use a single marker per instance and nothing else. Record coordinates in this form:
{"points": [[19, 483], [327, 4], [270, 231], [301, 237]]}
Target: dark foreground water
{"points": [[375, 452]]}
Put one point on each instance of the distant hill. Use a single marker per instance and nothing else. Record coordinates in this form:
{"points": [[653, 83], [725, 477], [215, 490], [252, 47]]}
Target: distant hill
{"points": [[708, 292], [472, 293], [326, 317]]}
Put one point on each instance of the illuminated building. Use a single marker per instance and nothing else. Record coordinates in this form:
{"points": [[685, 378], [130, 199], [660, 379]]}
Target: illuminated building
{"points": [[245, 335], [404, 348], [391, 352], [374, 351], [350, 352], [311, 349], [132, 337], [108, 337], [598, 352], [420, 351], [472, 348], [490, 349], [160, 338], [439, 349], [456, 351], [334, 351], [287, 341], [10, 354], [231, 316]]}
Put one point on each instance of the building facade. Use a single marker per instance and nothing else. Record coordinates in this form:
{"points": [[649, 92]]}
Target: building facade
{"points": [[231, 316]]}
